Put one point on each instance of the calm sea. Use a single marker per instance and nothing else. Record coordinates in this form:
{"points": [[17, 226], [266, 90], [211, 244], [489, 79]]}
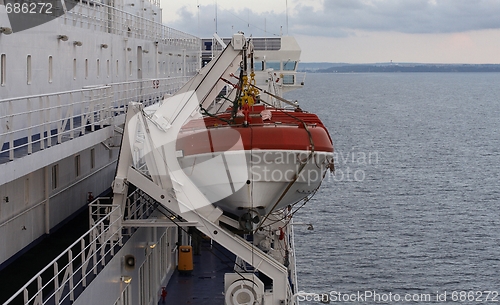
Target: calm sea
{"points": [[413, 210]]}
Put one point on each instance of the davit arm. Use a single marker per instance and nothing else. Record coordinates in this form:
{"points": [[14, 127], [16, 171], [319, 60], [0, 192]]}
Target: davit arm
{"points": [[170, 186]]}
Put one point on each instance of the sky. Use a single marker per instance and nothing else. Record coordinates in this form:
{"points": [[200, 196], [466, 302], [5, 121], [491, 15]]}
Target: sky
{"points": [[355, 31]]}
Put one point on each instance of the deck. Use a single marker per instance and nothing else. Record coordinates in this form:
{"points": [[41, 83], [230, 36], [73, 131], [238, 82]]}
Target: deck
{"points": [[205, 285]]}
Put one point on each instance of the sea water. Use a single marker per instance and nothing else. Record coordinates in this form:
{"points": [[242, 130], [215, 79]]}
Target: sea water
{"points": [[412, 214]]}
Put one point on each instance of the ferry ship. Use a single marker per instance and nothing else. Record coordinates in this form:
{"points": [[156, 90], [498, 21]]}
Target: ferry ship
{"points": [[87, 100]]}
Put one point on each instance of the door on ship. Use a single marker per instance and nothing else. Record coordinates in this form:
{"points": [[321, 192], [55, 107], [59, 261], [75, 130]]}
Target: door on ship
{"points": [[139, 63], [139, 68]]}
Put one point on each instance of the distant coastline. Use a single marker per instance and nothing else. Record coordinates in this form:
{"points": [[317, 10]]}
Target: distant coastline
{"points": [[394, 67]]}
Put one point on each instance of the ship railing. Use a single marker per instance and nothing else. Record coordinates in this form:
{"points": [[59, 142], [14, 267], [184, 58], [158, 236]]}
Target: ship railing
{"points": [[97, 16], [62, 280], [155, 2], [290, 78], [33, 123], [68, 274], [146, 91]]}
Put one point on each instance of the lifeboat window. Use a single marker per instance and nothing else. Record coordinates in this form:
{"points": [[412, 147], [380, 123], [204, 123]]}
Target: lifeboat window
{"points": [[3, 68], [50, 69], [28, 69], [289, 65], [275, 65]]}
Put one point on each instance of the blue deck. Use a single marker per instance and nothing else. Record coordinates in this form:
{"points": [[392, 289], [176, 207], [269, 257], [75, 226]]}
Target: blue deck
{"points": [[205, 285]]}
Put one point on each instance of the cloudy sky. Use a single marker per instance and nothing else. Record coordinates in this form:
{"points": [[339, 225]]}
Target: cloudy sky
{"points": [[355, 31]]}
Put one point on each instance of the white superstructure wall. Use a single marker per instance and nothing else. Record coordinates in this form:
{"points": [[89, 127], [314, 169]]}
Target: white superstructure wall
{"points": [[50, 155]]}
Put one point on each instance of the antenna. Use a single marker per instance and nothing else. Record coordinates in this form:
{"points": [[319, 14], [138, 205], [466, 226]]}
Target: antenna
{"points": [[286, 10], [215, 16]]}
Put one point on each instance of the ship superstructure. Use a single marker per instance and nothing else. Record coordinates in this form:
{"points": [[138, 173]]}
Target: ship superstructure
{"points": [[64, 88]]}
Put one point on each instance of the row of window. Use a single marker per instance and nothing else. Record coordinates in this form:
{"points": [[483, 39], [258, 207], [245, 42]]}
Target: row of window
{"points": [[163, 68], [275, 65]]}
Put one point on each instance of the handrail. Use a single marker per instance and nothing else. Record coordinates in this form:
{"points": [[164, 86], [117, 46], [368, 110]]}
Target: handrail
{"points": [[103, 232], [124, 23], [46, 118], [68, 250], [49, 94]]}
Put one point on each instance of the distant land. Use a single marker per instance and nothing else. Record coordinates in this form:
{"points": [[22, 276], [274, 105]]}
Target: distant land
{"points": [[324, 67]]}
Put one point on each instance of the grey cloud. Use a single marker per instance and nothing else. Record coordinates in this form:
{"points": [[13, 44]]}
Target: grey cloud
{"points": [[408, 16], [340, 18], [228, 22]]}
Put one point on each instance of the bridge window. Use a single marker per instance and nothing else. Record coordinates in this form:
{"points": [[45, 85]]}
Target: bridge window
{"points": [[275, 65], [289, 65], [288, 79], [258, 65]]}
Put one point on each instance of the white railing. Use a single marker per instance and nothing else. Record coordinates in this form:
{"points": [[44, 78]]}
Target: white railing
{"points": [[70, 272], [104, 18], [32, 123]]}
